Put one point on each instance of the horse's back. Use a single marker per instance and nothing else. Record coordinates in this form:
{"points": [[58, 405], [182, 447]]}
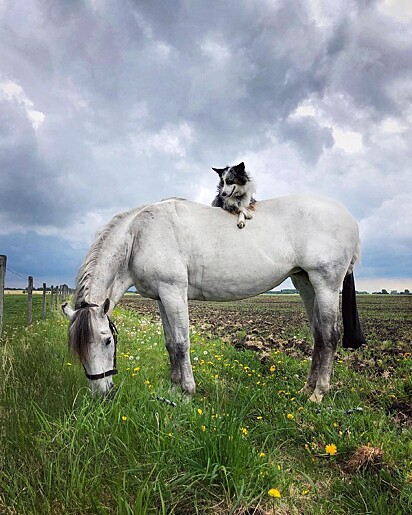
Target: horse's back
{"points": [[182, 242]]}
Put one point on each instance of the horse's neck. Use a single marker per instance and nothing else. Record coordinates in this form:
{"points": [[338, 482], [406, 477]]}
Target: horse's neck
{"points": [[105, 272]]}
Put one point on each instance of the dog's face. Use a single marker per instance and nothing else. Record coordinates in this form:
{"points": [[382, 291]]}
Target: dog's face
{"points": [[232, 180]]}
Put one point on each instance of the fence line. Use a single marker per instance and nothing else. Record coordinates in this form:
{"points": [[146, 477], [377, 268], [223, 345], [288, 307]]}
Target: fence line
{"points": [[58, 294]]}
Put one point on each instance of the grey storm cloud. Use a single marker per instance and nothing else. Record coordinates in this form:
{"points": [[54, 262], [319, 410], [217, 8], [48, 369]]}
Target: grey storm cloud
{"points": [[107, 105]]}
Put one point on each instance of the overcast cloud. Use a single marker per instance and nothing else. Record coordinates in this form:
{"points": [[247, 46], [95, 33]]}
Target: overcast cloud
{"points": [[106, 105]]}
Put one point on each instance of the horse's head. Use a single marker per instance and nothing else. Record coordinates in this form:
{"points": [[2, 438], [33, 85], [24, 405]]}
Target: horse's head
{"points": [[93, 337]]}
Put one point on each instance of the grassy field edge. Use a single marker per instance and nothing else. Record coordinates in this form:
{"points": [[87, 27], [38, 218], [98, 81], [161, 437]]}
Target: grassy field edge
{"points": [[247, 442]]}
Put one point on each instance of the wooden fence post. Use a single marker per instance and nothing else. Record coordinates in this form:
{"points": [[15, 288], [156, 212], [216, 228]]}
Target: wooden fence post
{"points": [[30, 301], [51, 298], [3, 261], [64, 296], [43, 313]]}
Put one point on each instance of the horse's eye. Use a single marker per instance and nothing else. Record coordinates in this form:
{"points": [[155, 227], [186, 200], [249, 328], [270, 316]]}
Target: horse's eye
{"points": [[108, 340]]}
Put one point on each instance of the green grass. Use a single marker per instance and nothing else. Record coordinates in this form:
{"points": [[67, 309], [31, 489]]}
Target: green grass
{"points": [[63, 452], [15, 311]]}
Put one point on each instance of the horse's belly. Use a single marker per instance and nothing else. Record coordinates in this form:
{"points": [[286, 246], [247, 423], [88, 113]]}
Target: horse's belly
{"points": [[232, 285]]}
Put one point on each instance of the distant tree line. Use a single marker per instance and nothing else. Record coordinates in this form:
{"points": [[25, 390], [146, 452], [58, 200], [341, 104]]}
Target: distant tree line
{"points": [[392, 292], [382, 292]]}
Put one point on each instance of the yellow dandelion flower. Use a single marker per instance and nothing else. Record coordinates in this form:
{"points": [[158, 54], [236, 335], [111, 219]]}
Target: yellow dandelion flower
{"points": [[274, 492], [203, 428], [136, 369], [331, 449], [262, 454], [272, 368], [244, 431], [147, 382], [289, 416], [305, 492], [124, 418], [68, 364], [259, 417], [199, 411]]}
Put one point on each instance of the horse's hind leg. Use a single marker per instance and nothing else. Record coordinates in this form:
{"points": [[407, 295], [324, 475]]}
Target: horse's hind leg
{"points": [[326, 332], [301, 282], [170, 346], [175, 310]]}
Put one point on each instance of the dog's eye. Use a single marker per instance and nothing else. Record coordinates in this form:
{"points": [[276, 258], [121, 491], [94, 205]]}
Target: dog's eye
{"points": [[107, 342], [229, 183]]}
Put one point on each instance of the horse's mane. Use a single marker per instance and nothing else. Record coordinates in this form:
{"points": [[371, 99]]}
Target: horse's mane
{"points": [[88, 267], [80, 333]]}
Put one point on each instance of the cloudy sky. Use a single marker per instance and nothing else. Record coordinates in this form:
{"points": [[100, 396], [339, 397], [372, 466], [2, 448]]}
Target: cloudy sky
{"points": [[106, 105]]}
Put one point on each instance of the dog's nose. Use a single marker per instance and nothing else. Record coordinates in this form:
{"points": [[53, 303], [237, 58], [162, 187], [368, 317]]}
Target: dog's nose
{"points": [[224, 194]]}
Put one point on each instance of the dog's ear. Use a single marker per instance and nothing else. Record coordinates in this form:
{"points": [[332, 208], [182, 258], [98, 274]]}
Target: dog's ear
{"points": [[239, 169], [219, 171], [241, 174]]}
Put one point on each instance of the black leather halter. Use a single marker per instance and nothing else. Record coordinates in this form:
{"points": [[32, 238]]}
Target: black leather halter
{"points": [[114, 331]]}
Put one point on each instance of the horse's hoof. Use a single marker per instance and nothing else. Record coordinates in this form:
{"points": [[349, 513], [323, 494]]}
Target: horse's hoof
{"points": [[316, 397], [241, 225], [189, 388], [174, 387], [306, 390]]}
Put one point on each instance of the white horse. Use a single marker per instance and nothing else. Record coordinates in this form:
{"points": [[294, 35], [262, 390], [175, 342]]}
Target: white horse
{"points": [[176, 250]]}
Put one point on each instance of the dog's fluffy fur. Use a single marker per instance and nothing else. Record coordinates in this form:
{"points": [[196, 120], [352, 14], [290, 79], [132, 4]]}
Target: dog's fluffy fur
{"points": [[235, 192]]}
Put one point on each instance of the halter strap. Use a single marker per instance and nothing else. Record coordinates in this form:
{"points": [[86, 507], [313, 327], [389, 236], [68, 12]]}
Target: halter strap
{"points": [[93, 377], [115, 332]]}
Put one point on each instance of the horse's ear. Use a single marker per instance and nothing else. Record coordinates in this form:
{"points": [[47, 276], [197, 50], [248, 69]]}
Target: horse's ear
{"points": [[105, 307], [67, 310]]}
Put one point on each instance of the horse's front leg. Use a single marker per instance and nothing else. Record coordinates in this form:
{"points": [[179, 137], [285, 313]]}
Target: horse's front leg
{"points": [[175, 308], [176, 375]]}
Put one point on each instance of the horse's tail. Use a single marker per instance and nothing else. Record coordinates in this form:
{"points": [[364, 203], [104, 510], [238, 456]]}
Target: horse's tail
{"points": [[352, 331]]}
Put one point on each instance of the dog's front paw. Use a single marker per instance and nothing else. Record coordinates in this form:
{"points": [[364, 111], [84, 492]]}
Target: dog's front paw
{"points": [[241, 224], [248, 215]]}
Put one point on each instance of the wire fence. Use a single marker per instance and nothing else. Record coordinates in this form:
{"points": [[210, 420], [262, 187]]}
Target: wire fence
{"points": [[52, 295]]}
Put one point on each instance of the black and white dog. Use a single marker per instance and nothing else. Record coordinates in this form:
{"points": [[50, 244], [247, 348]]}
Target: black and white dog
{"points": [[235, 192]]}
